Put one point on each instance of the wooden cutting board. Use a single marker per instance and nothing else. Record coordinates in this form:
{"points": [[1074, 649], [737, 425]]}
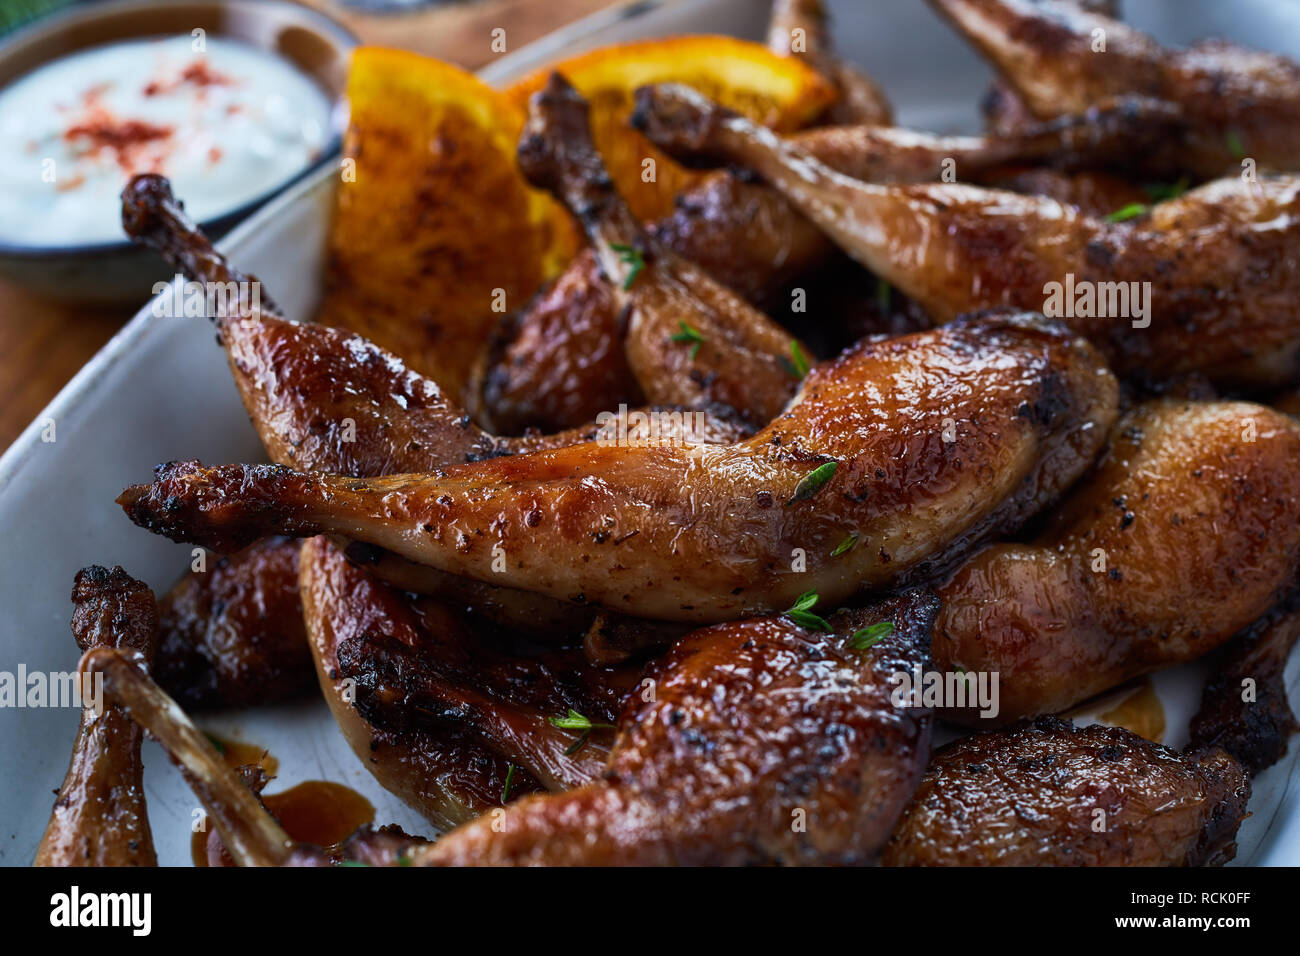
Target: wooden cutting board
{"points": [[43, 344]]}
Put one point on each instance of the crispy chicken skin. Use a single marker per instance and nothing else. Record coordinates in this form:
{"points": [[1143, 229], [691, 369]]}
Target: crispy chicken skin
{"points": [[762, 743], [1240, 102], [1244, 708], [99, 817], [1218, 261], [1187, 533], [1043, 793], [448, 777], [232, 635], [562, 362], [920, 445]]}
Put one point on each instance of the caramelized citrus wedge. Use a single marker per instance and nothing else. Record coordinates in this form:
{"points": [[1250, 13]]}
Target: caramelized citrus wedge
{"points": [[780, 92], [435, 233]]}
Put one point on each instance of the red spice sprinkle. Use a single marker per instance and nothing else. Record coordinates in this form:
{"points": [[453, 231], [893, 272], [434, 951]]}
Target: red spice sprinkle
{"points": [[123, 137]]}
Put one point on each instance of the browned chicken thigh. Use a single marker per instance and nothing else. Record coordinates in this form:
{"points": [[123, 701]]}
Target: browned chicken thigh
{"points": [[1240, 103], [1043, 793], [100, 817], [894, 456], [231, 635], [1206, 282], [1187, 533]]}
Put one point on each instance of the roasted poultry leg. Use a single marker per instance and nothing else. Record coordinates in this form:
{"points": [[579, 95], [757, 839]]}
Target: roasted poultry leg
{"points": [[1240, 103], [1131, 287], [100, 818], [758, 742], [1186, 534], [895, 455], [689, 340], [1044, 793], [562, 361]]}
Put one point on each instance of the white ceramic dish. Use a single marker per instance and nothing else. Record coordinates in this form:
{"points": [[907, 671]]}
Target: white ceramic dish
{"points": [[161, 390]]}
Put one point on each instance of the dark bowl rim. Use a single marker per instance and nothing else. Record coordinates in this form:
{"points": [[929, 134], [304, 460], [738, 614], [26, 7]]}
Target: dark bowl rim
{"points": [[344, 38]]}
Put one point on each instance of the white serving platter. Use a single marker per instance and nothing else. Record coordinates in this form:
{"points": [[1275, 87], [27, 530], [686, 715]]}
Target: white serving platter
{"points": [[161, 390]]}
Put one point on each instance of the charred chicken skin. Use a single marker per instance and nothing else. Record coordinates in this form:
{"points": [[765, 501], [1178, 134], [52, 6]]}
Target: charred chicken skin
{"points": [[1187, 533], [913, 448], [1244, 706], [100, 817], [1217, 260], [1044, 793]]}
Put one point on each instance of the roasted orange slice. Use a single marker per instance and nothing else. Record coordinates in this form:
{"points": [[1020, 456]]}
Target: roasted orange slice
{"points": [[780, 92], [435, 233]]}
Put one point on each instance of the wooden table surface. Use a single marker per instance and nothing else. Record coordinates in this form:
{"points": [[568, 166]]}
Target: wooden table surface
{"points": [[43, 344]]}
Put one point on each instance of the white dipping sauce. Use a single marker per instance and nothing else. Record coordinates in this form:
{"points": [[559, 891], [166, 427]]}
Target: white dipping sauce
{"points": [[227, 123]]}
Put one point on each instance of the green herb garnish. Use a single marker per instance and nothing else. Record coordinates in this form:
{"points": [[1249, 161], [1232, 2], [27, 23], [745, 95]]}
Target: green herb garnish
{"points": [[689, 334], [870, 636], [796, 364], [353, 863], [1131, 211], [629, 256], [1235, 145], [812, 482], [574, 721], [510, 776], [883, 295], [801, 613], [216, 742], [1162, 192], [848, 544]]}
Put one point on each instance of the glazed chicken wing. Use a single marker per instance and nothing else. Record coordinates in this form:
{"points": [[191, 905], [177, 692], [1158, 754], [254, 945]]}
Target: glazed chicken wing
{"points": [[100, 818], [1205, 283], [898, 454], [1186, 534], [1044, 793]]}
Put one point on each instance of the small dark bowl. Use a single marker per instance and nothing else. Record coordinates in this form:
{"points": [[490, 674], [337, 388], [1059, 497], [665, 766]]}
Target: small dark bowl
{"points": [[110, 273]]}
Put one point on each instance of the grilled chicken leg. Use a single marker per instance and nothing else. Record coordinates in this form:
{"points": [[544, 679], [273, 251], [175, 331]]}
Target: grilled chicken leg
{"points": [[562, 361], [100, 818], [1186, 534], [689, 340], [1044, 793], [1240, 102], [760, 742], [897, 454], [325, 399], [1218, 260]]}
